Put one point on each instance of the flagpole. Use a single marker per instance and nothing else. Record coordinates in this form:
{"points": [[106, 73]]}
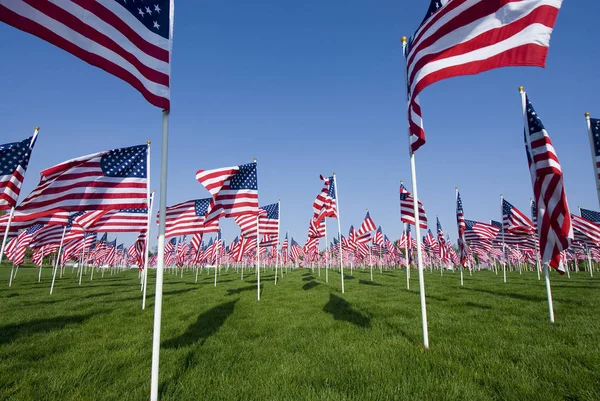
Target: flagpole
{"points": [[57, 261], [337, 198], [147, 244], [10, 217], [535, 239], [503, 243], [406, 258], [258, 257], [546, 274], [326, 256], [413, 173], [278, 223], [592, 149], [160, 258]]}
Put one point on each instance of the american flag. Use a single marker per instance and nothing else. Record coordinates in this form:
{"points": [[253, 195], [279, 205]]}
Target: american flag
{"points": [[234, 191], [38, 256], [325, 204], [431, 243], [462, 227], [196, 241], [52, 234], [553, 219], [285, 243], [515, 221], [113, 179], [378, 239], [468, 37], [188, 218], [295, 250], [316, 230], [590, 215], [595, 132], [112, 221], [407, 212], [131, 40], [22, 221], [585, 230], [389, 244], [269, 221], [409, 244], [367, 225], [14, 158], [478, 231], [442, 241], [15, 250]]}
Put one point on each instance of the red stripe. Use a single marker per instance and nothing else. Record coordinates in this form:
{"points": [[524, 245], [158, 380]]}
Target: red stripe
{"points": [[44, 33]]}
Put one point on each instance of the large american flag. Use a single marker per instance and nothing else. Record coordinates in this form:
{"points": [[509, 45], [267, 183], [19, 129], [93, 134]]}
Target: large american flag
{"points": [[131, 39], [462, 227], [466, 37], [515, 221], [595, 132], [234, 191], [111, 221], [188, 218], [113, 179], [407, 211], [14, 158], [325, 204], [553, 219]]}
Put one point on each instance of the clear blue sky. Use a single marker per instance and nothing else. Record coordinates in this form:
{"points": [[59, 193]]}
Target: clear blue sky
{"points": [[311, 88]]}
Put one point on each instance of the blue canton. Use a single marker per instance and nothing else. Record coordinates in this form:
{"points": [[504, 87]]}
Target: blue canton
{"points": [[135, 210], [154, 14], [245, 178], [201, 206], [331, 191], [125, 162], [590, 215], [13, 155], [595, 123], [33, 229], [272, 211], [496, 224]]}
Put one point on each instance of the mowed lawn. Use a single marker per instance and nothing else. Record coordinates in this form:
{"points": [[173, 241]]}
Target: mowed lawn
{"points": [[303, 341]]}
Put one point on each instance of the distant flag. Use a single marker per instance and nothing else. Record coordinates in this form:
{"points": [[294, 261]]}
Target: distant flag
{"points": [[15, 251], [119, 220], [234, 191], [442, 241], [269, 221], [325, 204], [515, 222], [478, 231], [378, 239], [585, 230], [462, 227], [113, 179], [467, 37], [129, 40], [407, 212], [14, 159], [367, 225], [553, 218], [189, 218], [590, 215]]}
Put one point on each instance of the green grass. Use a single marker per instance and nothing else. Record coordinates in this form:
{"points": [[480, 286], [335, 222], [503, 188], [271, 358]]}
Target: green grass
{"points": [[303, 341]]}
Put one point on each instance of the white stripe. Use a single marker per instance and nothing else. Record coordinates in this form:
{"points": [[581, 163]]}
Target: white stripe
{"points": [[84, 43]]}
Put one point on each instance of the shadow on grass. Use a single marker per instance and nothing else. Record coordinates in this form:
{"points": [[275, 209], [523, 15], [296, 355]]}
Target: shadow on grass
{"points": [[346, 277], [308, 278], [340, 309], [521, 297], [101, 294], [241, 289], [366, 282], [207, 324], [476, 305], [12, 332], [428, 296], [310, 285]]}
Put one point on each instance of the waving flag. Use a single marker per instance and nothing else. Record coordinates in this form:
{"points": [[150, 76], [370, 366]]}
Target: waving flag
{"points": [[442, 241], [112, 221], [15, 250], [515, 222], [407, 212], [113, 179], [462, 227], [188, 218], [234, 191], [367, 225], [269, 221], [553, 218], [14, 159], [585, 230], [477, 231], [590, 215], [466, 37], [325, 204], [128, 39]]}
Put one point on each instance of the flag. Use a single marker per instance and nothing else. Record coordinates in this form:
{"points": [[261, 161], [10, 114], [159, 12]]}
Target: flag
{"points": [[590, 215], [269, 221], [14, 159], [585, 230], [462, 227], [442, 241], [128, 39], [469, 37], [367, 225], [15, 250], [112, 221], [113, 179], [595, 135], [515, 222], [234, 191], [325, 204], [553, 218], [188, 218], [316, 230], [378, 239], [407, 212], [478, 231]]}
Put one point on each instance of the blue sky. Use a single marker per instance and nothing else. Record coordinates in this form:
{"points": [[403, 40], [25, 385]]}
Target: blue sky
{"points": [[313, 88]]}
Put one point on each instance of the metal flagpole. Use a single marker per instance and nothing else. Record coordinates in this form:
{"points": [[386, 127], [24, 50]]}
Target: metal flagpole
{"points": [[278, 223], [337, 199], [406, 258], [13, 262], [535, 239], [593, 150], [503, 244], [462, 248], [326, 256], [413, 173], [57, 261], [546, 274], [258, 257], [147, 244], [160, 258]]}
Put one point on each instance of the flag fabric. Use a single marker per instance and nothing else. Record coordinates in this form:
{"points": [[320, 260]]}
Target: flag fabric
{"points": [[316, 230], [269, 221], [478, 231], [128, 39], [113, 179], [595, 128], [466, 37], [585, 230], [15, 250], [590, 215], [325, 204], [442, 241], [407, 212], [14, 159], [378, 238], [462, 227], [553, 218], [112, 221], [515, 221], [234, 191], [188, 218], [367, 225]]}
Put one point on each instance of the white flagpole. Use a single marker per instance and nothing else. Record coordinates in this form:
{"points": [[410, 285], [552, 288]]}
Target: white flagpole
{"points": [[160, 258], [546, 275], [415, 195], [326, 256], [593, 150], [278, 223], [337, 200], [258, 257], [503, 244], [4, 240], [460, 251], [13, 263], [150, 207], [406, 258], [57, 261]]}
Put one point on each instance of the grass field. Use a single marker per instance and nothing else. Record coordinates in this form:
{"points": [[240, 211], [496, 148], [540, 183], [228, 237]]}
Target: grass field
{"points": [[303, 341]]}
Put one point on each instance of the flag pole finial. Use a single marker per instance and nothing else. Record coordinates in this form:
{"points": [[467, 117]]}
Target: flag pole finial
{"points": [[587, 113], [148, 142], [521, 89], [403, 39], [255, 160], [38, 128], [456, 188]]}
